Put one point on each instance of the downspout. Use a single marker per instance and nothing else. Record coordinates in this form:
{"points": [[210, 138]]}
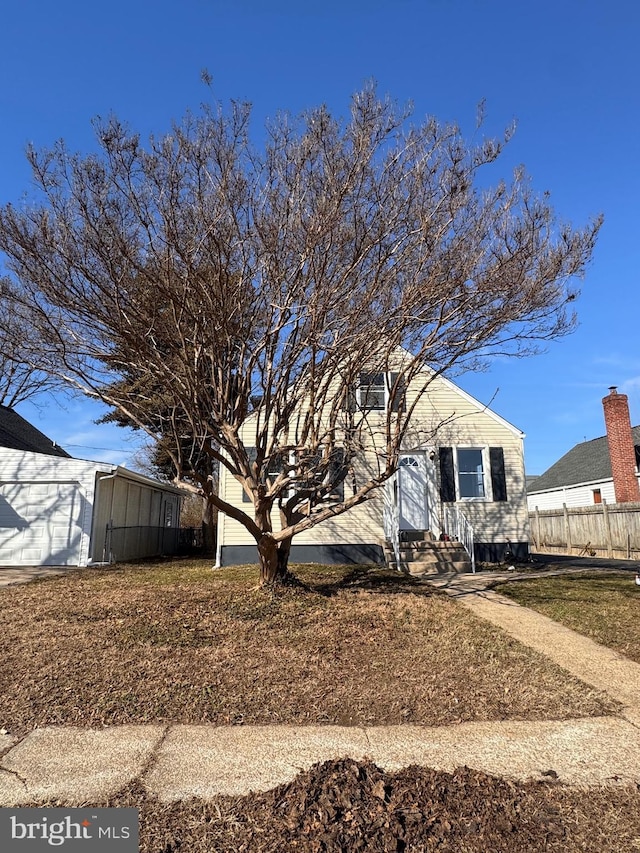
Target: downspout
{"points": [[113, 491], [218, 563]]}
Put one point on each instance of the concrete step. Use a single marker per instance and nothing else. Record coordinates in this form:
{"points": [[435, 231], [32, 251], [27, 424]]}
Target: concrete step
{"points": [[459, 567], [420, 556], [416, 536], [428, 556]]}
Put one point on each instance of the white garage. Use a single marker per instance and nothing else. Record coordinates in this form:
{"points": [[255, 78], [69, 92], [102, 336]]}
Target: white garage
{"points": [[59, 511], [41, 524]]}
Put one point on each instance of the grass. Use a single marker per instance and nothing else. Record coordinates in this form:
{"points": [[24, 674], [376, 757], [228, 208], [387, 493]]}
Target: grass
{"points": [[179, 642], [605, 607]]}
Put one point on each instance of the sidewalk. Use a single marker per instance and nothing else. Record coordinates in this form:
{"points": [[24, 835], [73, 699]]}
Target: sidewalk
{"points": [[10, 575], [592, 663], [176, 762]]}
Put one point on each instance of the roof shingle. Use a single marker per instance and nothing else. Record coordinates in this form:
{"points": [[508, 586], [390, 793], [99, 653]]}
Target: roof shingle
{"points": [[587, 462], [18, 434]]}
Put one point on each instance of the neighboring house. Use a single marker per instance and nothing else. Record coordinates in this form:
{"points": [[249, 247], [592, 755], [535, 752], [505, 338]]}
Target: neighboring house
{"points": [[585, 475], [56, 510], [461, 461]]}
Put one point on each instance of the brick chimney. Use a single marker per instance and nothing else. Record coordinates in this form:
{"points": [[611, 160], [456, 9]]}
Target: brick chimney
{"points": [[621, 450]]}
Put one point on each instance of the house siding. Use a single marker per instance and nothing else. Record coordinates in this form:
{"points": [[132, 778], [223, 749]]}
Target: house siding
{"points": [[572, 496], [444, 416], [459, 421]]}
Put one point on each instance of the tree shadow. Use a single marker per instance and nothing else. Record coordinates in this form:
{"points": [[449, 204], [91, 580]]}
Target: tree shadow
{"points": [[373, 579]]}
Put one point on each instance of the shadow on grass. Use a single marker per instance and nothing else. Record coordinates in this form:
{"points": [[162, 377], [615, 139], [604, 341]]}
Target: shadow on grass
{"points": [[372, 579]]}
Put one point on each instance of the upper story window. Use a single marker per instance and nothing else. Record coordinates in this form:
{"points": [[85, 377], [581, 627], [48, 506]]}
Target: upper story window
{"points": [[372, 391], [376, 391]]}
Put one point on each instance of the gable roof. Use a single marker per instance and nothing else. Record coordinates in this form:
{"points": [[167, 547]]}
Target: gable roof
{"points": [[587, 462], [18, 434]]}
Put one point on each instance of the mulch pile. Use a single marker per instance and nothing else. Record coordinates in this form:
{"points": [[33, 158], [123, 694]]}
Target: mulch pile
{"points": [[352, 806]]}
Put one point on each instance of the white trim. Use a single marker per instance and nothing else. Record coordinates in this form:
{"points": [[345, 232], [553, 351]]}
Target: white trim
{"points": [[367, 388], [482, 408], [486, 473], [468, 397], [570, 486], [119, 471]]}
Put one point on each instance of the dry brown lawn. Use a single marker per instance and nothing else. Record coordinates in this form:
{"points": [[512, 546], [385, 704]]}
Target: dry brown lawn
{"points": [[603, 606], [180, 642]]}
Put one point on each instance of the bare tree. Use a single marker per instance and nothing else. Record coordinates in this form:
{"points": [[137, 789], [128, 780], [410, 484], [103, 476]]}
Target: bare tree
{"points": [[227, 299], [21, 376]]}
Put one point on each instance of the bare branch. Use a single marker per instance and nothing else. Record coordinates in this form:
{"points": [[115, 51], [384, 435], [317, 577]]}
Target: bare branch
{"points": [[226, 300]]}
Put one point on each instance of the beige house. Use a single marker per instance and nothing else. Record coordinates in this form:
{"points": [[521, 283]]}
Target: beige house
{"points": [[460, 476]]}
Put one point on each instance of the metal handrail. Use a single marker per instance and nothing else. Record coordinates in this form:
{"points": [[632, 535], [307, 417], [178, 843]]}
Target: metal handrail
{"points": [[391, 518], [457, 526]]}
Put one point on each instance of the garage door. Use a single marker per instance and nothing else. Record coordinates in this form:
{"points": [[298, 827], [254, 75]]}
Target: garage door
{"points": [[40, 524]]}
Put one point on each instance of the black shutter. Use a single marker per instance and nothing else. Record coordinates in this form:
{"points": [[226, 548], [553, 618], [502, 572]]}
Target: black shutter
{"points": [[447, 476], [352, 400], [252, 453], [498, 478], [397, 404], [336, 474]]}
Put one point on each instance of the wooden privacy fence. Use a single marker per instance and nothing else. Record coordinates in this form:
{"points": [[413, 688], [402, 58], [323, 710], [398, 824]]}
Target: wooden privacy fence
{"points": [[601, 530]]}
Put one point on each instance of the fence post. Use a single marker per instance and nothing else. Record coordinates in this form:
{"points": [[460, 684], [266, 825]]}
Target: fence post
{"points": [[567, 528], [538, 536], [607, 528]]}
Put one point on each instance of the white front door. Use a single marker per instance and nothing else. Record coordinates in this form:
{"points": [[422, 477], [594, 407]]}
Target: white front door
{"points": [[412, 492]]}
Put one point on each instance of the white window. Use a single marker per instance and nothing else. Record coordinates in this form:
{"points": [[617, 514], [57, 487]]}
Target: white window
{"points": [[471, 472], [375, 391], [324, 472], [372, 391], [277, 465]]}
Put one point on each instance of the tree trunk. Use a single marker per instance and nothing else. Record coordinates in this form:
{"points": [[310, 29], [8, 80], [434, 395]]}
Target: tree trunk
{"points": [[209, 527], [284, 549], [274, 560]]}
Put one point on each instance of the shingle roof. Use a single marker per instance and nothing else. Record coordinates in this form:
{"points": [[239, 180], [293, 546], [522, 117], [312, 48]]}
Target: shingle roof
{"points": [[585, 463], [18, 434]]}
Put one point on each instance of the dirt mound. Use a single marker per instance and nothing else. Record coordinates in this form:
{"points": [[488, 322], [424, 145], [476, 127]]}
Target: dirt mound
{"points": [[352, 806], [345, 805]]}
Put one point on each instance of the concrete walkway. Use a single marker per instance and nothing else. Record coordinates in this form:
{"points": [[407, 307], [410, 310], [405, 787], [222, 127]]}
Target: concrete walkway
{"points": [[10, 575], [594, 664], [176, 762]]}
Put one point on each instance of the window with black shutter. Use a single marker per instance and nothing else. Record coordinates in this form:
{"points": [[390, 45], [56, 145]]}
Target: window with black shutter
{"points": [[276, 467], [447, 475], [498, 475]]}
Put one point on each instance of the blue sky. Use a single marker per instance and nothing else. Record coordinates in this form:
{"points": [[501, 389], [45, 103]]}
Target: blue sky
{"points": [[567, 70]]}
